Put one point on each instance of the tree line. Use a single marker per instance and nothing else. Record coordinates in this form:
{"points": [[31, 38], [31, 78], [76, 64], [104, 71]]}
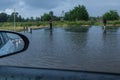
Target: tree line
{"points": [[78, 13], [10, 18]]}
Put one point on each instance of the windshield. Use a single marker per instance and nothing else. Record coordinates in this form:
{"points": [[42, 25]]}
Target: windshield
{"points": [[65, 34]]}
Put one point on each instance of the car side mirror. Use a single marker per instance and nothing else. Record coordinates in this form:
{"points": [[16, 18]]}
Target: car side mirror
{"points": [[12, 43]]}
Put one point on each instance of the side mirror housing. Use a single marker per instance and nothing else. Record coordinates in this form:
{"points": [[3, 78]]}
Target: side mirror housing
{"points": [[12, 43]]}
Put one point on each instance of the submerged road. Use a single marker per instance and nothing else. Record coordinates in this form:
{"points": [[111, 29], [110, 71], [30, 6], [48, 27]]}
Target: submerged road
{"points": [[90, 51]]}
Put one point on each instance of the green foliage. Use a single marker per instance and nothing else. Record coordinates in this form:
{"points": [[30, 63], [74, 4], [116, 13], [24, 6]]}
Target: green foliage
{"points": [[6, 24], [111, 15], [51, 13], [18, 18], [3, 17], [114, 23], [46, 17], [78, 23], [78, 13], [10, 18], [49, 16], [23, 24]]}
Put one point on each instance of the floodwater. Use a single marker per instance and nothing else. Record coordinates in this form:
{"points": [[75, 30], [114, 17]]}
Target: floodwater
{"points": [[61, 49]]}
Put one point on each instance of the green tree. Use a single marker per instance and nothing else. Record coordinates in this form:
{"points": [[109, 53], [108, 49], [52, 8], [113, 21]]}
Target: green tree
{"points": [[37, 19], [3, 17], [20, 19], [78, 13], [46, 17], [31, 19], [51, 13], [11, 17], [111, 15], [49, 16]]}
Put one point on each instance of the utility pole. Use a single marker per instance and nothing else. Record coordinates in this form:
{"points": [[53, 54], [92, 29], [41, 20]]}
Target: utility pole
{"points": [[62, 16], [14, 21]]}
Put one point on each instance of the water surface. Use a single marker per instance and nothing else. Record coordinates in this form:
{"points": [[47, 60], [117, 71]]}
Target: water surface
{"points": [[60, 49]]}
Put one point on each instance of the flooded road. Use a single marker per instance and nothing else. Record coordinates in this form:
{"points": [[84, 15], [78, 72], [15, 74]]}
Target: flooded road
{"points": [[61, 49]]}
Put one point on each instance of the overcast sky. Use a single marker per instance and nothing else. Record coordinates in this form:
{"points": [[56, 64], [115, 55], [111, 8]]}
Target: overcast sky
{"points": [[28, 8]]}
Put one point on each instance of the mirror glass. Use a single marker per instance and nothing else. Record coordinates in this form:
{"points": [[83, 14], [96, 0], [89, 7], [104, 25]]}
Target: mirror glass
{"points": [[10, 43]]}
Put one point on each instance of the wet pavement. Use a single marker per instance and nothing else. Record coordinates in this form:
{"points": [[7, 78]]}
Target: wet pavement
{"points": [[61, 49]]}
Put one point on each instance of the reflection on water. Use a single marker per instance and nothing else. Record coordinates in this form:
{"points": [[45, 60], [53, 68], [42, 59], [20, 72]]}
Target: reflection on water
{"points": [[92, 50], [77, 29]]}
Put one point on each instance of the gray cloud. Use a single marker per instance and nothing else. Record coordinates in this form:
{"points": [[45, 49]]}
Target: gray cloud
{"points": [[99, 7], [6, 4], [29, 8], [43, 4]]}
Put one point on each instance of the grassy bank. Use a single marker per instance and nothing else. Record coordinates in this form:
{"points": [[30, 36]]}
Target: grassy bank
{"points": [[19, 28], [20, 25], [72, 23], [109, 23], [86, 23]]}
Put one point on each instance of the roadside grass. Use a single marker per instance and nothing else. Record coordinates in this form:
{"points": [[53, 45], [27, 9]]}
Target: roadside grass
{"points": [[72, 25], [11, 28], [20, 26]]}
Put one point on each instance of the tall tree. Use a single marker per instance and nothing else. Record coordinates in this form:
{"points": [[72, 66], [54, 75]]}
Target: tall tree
{"points": [[111, 15], [78, 13], [51, 13], [3, 17], [37, 19], [46, 17], [11, 17]]}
